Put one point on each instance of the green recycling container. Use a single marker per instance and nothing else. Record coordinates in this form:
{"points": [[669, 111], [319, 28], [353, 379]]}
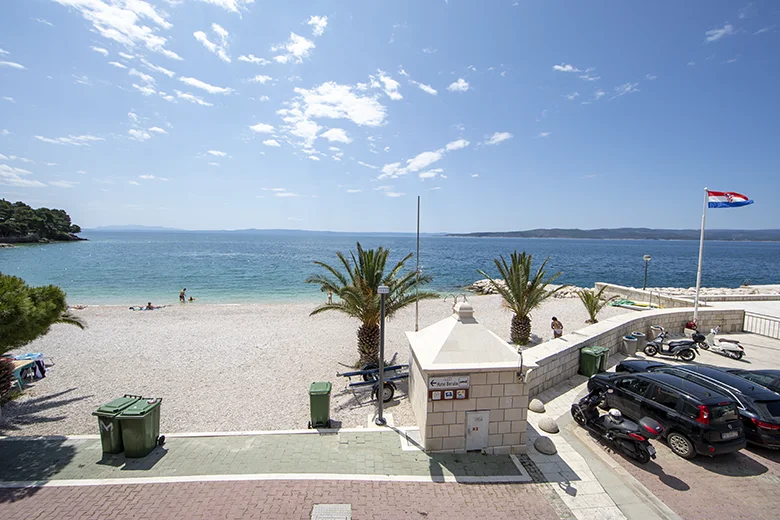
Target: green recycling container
{"points": [[140, 427], [593, 360], [319, 401], [110, 428]]}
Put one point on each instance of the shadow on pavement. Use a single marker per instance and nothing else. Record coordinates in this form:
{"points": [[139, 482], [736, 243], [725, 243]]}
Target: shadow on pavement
{"points": [[145, 463], [731, 465], [31, 460], [669, 480], [20, 413]]}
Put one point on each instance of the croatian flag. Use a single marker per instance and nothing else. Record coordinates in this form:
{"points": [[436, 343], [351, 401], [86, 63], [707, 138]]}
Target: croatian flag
{"points": [[726, 199]]}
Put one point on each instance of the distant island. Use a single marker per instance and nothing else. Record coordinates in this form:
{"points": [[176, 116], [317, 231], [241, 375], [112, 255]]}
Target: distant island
{"points": [[737, 235], [19, 223]]}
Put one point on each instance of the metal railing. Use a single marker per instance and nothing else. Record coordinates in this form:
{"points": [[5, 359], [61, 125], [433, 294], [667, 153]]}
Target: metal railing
{"points": [[762, 324]]}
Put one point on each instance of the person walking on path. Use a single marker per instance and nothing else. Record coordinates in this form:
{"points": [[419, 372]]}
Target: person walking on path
{"points": [[557, 328], [330, 297], [183, 295]]}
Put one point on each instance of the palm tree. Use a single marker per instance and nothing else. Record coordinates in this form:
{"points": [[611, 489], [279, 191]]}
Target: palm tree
{"points": [[521, 293], [594, 302], [358, 296]]}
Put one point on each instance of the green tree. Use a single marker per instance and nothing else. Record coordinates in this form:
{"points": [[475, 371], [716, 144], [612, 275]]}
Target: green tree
{"points": [[593, 302], [357, 291], [19, 220], [27, 313], [521, 292]]}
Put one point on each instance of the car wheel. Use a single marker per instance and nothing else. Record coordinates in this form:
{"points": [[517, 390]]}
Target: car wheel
{"points": [[681, 445], [650, 350], [687, 354]]}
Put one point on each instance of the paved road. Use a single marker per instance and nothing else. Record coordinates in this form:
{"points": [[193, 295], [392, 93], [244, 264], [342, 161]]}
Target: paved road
{"points": [[283, 500]]}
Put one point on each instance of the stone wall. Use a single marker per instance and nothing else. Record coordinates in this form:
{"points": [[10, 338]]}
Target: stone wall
{"points": [[640, 295], [559, 359], [501, 394]]}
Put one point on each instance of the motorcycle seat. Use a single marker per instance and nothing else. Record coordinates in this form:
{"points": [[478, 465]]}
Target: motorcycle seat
{"points": [[724, 340], [681, 343], [624, 425]]}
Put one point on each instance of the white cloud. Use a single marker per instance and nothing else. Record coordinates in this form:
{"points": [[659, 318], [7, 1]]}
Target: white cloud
{"points": [[475, 175], [234, 6], [650, 77], [285, 194], [456, 145], [186, 96], [262, 128], [544, 134], [271, 142], [430, 174], [134, 183], [297, 48], [100, 50], [394, 194], [146, 78], [361, 163], [217, 153], [63, 184], [566, 67], [254, 59], [354, 191], [211, 89], [73, 140], [498, 137], [81, 80], [15, 158], [318, 24], [123, 22], [459, 86], [572, 96], [425, 88], [220, 49], [423, 160], [691, 63], [274, 189], [45, 22], [117, 64], [599, 94], [9, 99], [156, 68], [139, 135], [333, 101], [626, 88], [763, 30], [152, 178], [11, 176], [714, 35], [390, 86], [387, 148], [126, 56], [4, 132], [215, 164], [260, 79], [146, 90], [157, 130], [429, 50], [337, 135], [314, 158], [262, 98], [12, 65]]}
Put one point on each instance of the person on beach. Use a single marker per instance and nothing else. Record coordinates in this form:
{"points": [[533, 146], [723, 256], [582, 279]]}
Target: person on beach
{"points": [[191, 299], [183, 295], [150, 307], [557, 328], [330, 296]]}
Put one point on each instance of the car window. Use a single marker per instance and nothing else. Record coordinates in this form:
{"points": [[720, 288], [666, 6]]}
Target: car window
{"points": [[758, 378], [633, 385], [769, 409], [706, 383], [723, 413], [665, 397], [690, 409]]}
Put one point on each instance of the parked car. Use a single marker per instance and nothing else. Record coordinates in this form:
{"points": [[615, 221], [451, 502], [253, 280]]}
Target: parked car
{"points": [[696, 419], [759, 407], [768, 378]]}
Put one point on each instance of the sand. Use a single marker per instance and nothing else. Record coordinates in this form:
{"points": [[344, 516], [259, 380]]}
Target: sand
{"points": [[227, 367]]}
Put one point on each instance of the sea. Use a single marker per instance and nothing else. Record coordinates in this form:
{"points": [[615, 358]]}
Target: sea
{"points": [[134, 267]]}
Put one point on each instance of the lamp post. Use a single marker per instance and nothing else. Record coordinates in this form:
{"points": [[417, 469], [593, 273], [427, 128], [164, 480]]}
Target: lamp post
{"points": [[383, 291], [647, 262]]}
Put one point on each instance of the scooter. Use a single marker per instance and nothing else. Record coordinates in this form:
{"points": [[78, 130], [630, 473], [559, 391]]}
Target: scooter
{"points": [[684, 349], [725, 347], [627, 436]]}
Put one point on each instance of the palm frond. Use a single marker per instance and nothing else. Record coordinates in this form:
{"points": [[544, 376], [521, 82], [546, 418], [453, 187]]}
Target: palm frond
{"points": [[71, 319]]}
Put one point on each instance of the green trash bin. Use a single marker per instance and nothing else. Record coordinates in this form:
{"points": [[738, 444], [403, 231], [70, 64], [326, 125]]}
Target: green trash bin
{"points": [[319, 401], [141, 427], [589, 362], [603, 354], [110, 428]]}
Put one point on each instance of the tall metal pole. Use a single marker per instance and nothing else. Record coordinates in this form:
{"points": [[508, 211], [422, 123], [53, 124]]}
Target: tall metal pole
{"points": [[417, 279], [701, 251], [644, 284], [380, 420]]}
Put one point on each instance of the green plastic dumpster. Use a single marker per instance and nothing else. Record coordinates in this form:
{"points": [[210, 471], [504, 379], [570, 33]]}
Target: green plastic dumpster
{"points": [[319, 401], [141, 427], [110, 428], [593, 360]]}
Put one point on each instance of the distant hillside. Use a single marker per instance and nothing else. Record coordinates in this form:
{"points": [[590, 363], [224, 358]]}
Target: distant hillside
{"points": [[753, 235]]}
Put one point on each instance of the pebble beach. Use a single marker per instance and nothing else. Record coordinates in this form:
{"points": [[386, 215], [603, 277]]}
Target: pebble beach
{"points": [[243, 367]]}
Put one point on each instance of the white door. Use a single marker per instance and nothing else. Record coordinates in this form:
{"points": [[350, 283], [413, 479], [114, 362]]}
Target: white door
{"points": [[477, 430]]}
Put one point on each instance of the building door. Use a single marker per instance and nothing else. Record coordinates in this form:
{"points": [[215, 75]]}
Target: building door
{"points": [[477, 430]]}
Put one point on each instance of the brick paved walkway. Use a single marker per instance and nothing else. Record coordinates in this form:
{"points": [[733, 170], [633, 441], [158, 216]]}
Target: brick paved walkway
{"points": [[283, 500]]}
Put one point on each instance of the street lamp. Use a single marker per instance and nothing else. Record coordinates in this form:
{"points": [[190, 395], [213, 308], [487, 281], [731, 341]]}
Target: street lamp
{"points": [[383, 291], [647, 262]]}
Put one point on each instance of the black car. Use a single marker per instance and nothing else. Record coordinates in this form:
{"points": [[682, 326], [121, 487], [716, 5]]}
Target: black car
{"points": [[695, 419], [759, 407], [768, 378]]}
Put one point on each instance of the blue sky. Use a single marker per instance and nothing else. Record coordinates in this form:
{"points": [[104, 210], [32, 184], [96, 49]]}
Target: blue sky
{"points": [[502, 115]]}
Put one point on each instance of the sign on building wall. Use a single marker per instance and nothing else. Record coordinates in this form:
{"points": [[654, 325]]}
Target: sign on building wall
{"points": [[445, 388]]}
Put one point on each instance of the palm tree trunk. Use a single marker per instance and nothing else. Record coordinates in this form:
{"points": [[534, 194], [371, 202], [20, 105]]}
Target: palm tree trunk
{"points": [[368, 344], [520, 331]]}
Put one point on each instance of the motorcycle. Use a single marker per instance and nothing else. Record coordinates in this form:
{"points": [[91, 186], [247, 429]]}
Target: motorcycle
{"points": [[684, 349], [625, 435], [725, 347]]}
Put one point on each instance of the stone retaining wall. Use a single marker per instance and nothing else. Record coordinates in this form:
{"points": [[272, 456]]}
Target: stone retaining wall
{"points": [[559, 359], [640, 295]]}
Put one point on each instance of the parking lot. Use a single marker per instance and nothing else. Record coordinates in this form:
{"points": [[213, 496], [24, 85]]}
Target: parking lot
{"points": [[739, 485]]}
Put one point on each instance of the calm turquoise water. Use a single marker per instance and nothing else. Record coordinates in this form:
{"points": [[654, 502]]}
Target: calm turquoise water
{"points": [[135, 267]]}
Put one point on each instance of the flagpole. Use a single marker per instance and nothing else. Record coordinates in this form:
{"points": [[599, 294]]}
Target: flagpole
{"points": [[417, 275], [701, 251]]}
